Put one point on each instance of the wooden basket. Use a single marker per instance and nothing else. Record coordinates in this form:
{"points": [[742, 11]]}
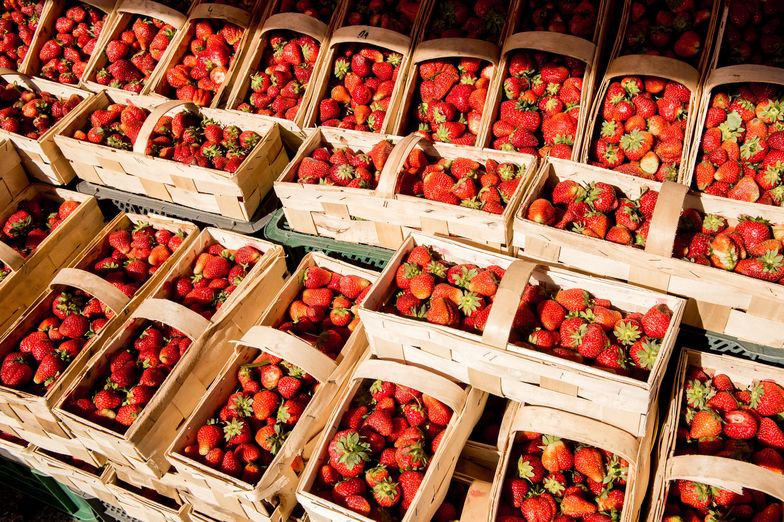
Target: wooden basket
{"points": [[236, 195], [466, 403], [294, 22], [718, 471], [445, 49], [720, 301], [180, 46], [364, 35], [78, 479], [140, 507], [13, 178], [120, 21], [31, 415], [46, 30], [19, 452], [708, 45], [490, 363], [717, 78], [29, 276], [41, 158], [635, 450], [554, 43], [643, 65]]}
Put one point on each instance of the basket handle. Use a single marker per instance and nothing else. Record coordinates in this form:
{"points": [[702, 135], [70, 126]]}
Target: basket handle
{"points": [[231, 14], [664, 222], [174, 314], [94, 285], [152, 120], [506, 302], [148, 8], [647, 65], [291, 349], [11, 257], [743, 74], [366, 34], [557, 43], [730, 474], [387, 180], [300, 23], [458, 47]]}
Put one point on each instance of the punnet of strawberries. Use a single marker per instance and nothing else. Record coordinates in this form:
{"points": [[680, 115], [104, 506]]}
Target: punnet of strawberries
{"points": [[595, 209], [449, 99], [134, 55], [44, 353], [31, 113], [452, 506], [18, 22], [133, 374], [193, 139], [387, 14], [64, 56], [671, 28], [540, 110], [742, 144], [694, 501], [360, 88], [565, 322], [32, 222], [549, 478], [574, 17], [460, 181], [320, 10], [116, 126], [384, 444], [344, 166], [752, 247], [202, 71], [280, 84], [73, 461], [640, 127], [483, 20], [149, 494], [753, 34]]}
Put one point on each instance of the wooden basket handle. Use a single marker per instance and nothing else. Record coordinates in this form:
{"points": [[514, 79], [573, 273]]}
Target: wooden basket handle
{"points": [[387, 180], [577, 428], [300, 23], [11, 257], [458, 47], [556, 43], [505, 303], [664, 222], [725, 473], [477, 501], [91, 283], [744, 74], [173, 314], [104, 5], [152, 120], [291, 349], [645, 65], [414, 377], [224, 12], [367, 34], [154, 9]]}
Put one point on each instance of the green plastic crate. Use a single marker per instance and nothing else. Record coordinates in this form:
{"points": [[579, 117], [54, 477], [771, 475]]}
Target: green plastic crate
{"points": [[297, 245]]}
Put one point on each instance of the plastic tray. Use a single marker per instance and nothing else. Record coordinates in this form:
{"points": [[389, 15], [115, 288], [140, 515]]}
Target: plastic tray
{"points": [[718, 343]]}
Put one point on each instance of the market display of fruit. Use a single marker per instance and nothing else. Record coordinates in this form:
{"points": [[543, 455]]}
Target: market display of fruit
{"points": [[203, 69], [284, 74], [116, 126], [460, 181], [640, 127], [386, 440], [31, 113], [63, 58], [194, 139], [130, 259], [753, 34], [362, 79], [483, 20], [134, 55], [574, 17], [18, 22], [742, 144], [32, 222], [689, 500], [540, 108], [597, 210], [665, 28], [752, 247], [449, 99], [344, 166], [548, 477], [566, 322], [395, 16]]}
